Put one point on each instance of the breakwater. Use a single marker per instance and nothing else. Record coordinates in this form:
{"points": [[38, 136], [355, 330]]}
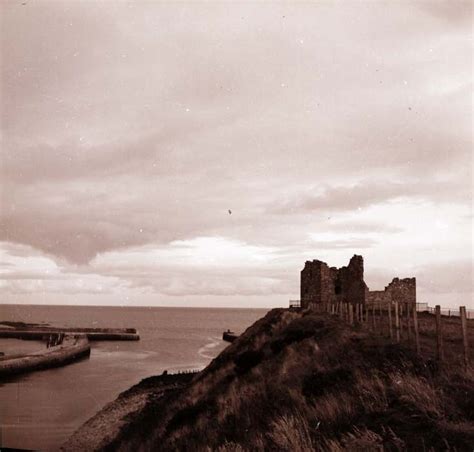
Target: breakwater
{"points": [[71, 349], [93, 334], [229, 336]]}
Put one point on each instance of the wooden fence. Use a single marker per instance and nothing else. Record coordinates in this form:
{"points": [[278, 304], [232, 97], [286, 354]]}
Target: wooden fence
{"points": [[439, 332]]}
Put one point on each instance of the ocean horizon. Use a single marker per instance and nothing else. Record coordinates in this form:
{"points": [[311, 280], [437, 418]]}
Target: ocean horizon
{"points": [[40, 410]]}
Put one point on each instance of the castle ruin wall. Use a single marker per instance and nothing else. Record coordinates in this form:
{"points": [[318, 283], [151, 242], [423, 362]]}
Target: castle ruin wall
{"points": [[323, 284]]}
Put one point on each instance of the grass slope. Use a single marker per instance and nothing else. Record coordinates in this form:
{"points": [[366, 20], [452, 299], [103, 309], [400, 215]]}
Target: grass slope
{"points": [[305, 381]]}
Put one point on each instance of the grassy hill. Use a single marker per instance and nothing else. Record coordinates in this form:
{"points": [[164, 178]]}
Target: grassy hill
{"points": [[306, 381]]}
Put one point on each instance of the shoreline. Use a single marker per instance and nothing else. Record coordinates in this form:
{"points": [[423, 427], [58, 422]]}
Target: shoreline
{"points": [[127, 412]]}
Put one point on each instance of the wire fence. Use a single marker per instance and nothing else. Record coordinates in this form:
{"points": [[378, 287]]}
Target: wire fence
{"points": [[444, 334], [420, 307]]}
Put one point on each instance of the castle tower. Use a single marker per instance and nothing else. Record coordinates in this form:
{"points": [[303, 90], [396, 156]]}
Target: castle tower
{"points": [[323, 284]]}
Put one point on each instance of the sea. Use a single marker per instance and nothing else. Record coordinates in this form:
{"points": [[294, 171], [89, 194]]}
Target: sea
{"points": [[40, 410]]}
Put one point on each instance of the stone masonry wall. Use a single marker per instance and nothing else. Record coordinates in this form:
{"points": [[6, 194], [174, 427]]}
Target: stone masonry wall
{"points": [[323, 284], [350, 285], [313, 289], [402, 290], [378, 297]]}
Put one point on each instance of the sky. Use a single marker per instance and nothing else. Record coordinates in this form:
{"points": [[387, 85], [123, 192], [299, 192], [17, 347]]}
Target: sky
{"points": [[197, 154]]}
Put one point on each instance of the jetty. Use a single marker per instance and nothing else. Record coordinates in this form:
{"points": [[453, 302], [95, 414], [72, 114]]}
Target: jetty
{"points": [[229, 336], [71, 348], [28, 332]]}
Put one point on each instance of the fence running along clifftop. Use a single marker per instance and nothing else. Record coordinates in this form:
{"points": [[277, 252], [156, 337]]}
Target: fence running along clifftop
{"points": [[430, 331]]}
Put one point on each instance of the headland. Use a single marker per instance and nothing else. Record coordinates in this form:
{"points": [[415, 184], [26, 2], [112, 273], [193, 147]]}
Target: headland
{"points": [[296, 380]]}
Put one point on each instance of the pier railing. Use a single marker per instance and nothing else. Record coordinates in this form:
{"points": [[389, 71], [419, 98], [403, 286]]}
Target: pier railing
{"points": [[295, 304]]}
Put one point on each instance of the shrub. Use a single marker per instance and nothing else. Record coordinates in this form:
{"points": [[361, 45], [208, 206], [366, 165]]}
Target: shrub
{"points": [[319, 383], [417, 394], [297, 331], [247, 360], [291, 433], [359, 440]]}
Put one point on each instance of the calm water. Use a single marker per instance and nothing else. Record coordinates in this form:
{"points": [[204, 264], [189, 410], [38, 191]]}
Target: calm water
{"points": [[41, 409]]}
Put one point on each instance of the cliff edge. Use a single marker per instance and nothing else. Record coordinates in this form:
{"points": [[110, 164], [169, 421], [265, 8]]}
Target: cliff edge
{"points": [[296, 381]]}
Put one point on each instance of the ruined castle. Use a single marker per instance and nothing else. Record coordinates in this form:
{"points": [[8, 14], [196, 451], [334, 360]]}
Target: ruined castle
{"points": [[323, 284]]}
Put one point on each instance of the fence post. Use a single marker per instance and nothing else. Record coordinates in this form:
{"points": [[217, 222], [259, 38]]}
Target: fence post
{"points": [[462, 314], [439, 334], [373, 317], [390, 331], [351, 314], [397, 322], [402, 311], [415, 327], [408, 321], [379, 305]]}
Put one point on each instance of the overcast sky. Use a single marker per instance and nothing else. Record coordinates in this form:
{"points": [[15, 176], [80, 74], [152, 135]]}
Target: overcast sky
{"points": [[130, 130]]}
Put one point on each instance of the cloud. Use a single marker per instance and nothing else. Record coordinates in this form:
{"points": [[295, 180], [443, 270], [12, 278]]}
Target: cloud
{"points": [[449, 12], [26, 270], [203, 266], [456, 276], [363, 227], [367, 193], [129, 130]]}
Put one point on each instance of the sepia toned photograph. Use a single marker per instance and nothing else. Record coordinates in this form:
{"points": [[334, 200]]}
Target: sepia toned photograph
{"points": [[236, 226]]}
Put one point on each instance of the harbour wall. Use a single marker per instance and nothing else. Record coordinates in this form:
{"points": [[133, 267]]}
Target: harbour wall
{"points": [[72, 348], [96, 334]]}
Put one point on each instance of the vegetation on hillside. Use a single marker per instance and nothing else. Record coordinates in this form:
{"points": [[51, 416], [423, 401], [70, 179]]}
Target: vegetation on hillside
{"points": [[305, 381]]}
